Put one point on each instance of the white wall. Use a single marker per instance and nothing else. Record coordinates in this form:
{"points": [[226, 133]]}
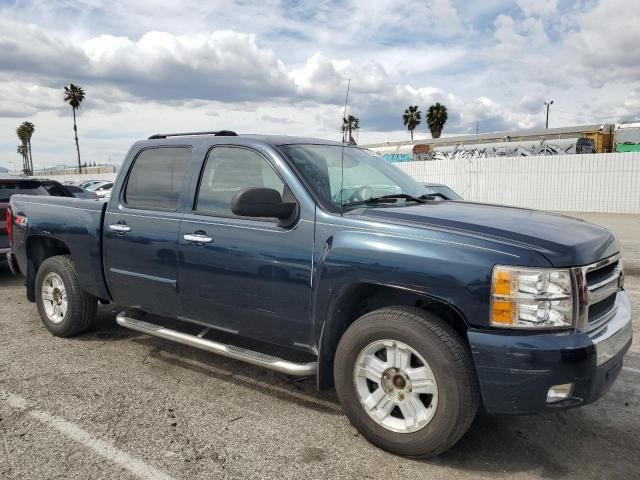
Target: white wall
{"points": [[607, 182]]}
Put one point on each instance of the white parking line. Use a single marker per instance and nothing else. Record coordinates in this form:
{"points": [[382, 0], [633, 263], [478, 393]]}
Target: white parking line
{"points": [[74, 432]]}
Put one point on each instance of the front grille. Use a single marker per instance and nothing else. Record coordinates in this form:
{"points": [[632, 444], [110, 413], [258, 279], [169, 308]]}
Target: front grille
{"points": [[601, 290], [602, 308], [596, 276]]}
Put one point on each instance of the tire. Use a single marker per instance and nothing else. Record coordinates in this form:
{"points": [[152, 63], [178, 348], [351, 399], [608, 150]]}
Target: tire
{"points": [[450, 406], [55, 276]]}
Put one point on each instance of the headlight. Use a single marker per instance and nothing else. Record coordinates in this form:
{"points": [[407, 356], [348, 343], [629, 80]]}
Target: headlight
{"points": [[531, 298]]}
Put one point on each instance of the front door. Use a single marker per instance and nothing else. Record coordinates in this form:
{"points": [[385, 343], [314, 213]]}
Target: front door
{"points": [[245, 275], [142, 229]]}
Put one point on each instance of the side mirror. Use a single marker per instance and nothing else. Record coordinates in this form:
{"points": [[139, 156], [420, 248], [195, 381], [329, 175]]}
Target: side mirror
{"points": [[261, 202]]}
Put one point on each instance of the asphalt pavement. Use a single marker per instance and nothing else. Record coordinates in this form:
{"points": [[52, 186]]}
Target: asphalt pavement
{"points": [[115, 404]]}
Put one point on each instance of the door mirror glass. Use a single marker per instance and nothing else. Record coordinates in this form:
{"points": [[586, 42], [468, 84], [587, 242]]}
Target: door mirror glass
{"points": [[261, 202]]}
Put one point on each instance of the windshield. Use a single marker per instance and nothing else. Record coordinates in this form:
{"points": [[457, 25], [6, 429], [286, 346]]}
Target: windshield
{"points": [[366, 174]]}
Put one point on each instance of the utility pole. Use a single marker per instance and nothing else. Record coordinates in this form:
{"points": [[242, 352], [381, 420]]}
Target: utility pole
{"points": [[547, 104]]}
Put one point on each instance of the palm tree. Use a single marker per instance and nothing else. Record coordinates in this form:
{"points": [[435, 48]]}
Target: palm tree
{"points": [[22, 151], [21, 131], [349, 125], [411, 118], [29, 129], [436, 118], [74, 95]]}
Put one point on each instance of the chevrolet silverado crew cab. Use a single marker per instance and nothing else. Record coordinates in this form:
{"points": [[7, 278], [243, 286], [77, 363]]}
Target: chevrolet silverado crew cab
{"points": [[419, 311]]}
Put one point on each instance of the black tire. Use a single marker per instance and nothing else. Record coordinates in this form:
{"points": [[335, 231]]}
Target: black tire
{"points": [[81, 306], [447, 355]]}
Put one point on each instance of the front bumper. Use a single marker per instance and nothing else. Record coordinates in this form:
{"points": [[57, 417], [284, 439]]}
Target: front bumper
{"points": [[516, 369]]}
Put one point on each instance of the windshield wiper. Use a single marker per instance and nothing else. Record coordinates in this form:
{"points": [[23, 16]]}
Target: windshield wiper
{"points": [[387, 199]]}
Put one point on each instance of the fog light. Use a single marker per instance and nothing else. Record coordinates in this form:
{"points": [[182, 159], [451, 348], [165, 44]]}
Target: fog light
{"points": [[559, 392]]}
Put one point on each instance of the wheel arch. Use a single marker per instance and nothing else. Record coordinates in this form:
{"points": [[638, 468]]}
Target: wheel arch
{"points": [[39, 248], [349, 303]]}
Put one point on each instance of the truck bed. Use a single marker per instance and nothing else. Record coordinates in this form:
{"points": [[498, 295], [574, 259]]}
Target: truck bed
{"points": [[74, 223]]}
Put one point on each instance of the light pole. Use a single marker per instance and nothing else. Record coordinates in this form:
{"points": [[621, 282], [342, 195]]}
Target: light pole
{"points": [[547, 104]]}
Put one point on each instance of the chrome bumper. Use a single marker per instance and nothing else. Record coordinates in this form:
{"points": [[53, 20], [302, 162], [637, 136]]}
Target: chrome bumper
{"points": [[618, 332]]}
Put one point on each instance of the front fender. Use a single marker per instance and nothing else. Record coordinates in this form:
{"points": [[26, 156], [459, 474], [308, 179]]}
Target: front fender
{"points": [[446, 267]]}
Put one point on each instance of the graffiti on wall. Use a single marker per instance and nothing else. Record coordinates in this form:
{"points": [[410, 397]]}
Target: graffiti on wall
{"points": [[488, 150]]}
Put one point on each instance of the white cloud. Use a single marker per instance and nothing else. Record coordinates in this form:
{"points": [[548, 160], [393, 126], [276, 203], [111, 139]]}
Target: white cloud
{"points": [[277, 66], [19, 99], [540, 8], [606, 43]]}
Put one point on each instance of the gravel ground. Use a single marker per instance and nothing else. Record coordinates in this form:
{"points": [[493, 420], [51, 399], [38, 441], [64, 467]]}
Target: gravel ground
{"points": [[115, 404]]}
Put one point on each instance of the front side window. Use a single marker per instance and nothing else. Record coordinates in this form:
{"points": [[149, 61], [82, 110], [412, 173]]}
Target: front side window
{"points": [[228, 170], [157, 178], [341, 176]]}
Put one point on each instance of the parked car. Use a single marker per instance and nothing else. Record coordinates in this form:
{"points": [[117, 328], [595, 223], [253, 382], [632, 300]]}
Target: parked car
{"points": [[16, 184], [101, 188], [87, 183], [11, 185], [440, 191], [81, 192], [419, 311], [57, 189]]}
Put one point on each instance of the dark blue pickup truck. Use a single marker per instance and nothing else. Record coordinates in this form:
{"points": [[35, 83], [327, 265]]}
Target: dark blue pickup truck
{"points": [[419, 311]]}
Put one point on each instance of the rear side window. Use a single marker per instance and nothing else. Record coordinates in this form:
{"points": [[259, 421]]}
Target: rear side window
{"points": [[157, 178], [228, 170], [25, 187]]}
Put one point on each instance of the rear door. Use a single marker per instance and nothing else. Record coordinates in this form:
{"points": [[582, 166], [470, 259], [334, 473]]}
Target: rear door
{"points": [[141, 230], [245, 275]]}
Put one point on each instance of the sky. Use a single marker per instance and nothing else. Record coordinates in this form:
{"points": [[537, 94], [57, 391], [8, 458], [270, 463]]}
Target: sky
{"points": [[281, 66]]}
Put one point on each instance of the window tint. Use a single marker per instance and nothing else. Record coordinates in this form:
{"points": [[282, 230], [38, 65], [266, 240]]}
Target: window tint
{"points": [[228, 170], [156, 179]]}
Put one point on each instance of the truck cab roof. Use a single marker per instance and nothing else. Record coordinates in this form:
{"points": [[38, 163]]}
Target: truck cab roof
{"points": [[213, 138]]}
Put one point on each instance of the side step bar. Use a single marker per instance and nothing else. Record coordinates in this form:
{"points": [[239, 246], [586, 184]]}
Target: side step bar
{"points": [[231, 351]]}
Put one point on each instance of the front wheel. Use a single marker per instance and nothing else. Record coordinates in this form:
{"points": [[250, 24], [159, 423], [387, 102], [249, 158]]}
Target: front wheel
{"points": [[406, 381], [65, 309]]}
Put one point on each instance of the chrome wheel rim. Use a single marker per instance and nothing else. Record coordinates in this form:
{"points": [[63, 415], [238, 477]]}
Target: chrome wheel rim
{"points": [[395, 386], [54, 297]]}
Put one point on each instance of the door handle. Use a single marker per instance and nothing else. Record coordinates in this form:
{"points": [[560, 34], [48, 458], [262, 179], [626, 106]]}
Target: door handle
{"points": [[119, 228], [197, 238]]}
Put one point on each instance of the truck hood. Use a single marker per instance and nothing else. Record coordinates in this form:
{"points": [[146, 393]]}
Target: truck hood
{"points": [[563, 240]]}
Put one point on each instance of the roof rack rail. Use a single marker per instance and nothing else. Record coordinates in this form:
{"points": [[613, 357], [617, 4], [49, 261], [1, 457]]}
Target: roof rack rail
{"points": [[218, 133]]}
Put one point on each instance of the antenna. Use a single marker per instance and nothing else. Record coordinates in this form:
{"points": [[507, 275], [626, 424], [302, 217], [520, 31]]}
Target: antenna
{"points": [[344, 115]]}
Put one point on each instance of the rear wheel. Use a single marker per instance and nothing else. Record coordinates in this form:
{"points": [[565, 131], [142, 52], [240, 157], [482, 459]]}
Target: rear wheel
{"points": [[406, 381], [65, 309]]}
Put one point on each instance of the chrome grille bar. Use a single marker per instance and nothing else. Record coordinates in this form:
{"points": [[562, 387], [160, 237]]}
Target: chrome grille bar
{"points": [[590, 294]]}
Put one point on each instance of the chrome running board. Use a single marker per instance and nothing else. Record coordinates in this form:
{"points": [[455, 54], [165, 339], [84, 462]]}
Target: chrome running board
{"points": [[231, 351]]}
